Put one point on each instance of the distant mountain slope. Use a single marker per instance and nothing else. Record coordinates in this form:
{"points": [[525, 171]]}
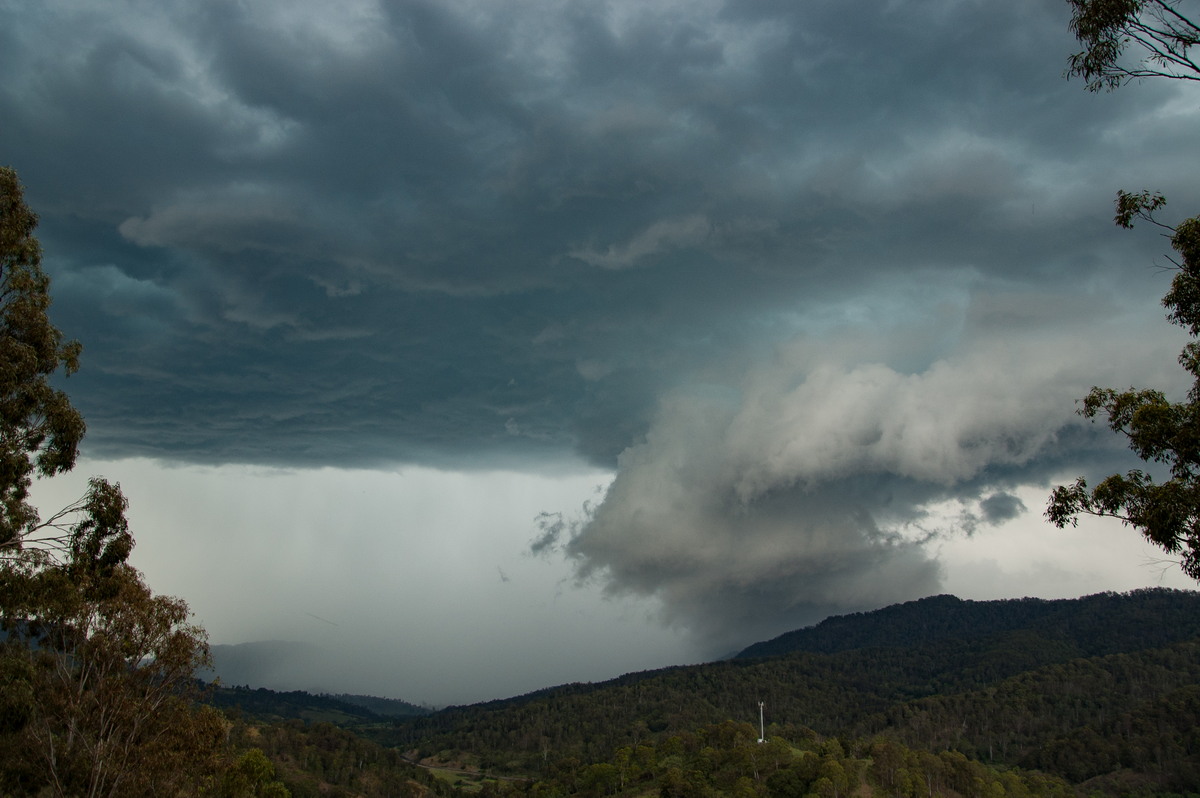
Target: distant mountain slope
{"points": [[384, 707], [271, 706], [341, 710], [262, 677], [1104, 623]]}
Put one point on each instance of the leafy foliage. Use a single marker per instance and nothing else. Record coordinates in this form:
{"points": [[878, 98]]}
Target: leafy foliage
{"points": [[1130, 716], [40, 430], [96, 669], [1156, 28], [320, 759], [727, 759], [103, 669], [1158, 430], [252, 776]]}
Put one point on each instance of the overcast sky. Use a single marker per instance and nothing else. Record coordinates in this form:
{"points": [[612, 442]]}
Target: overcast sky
{"points": [[497, 345]]}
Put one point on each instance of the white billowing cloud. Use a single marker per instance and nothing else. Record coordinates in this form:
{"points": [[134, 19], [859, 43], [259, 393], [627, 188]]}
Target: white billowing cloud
{"points": [[998, 405], [733, 570], [818, 483]]}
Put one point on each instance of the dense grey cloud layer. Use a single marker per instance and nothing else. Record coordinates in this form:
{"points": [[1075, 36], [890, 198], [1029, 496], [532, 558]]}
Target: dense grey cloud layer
{"points": [[802, 273]]}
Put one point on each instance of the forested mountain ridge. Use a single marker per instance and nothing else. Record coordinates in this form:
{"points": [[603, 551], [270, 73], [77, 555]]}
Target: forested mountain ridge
{"points": [[342, 709], [1095, 625], [1011, 683]]}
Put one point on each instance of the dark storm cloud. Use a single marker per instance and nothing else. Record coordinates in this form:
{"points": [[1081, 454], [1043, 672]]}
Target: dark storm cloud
{"points": [[1001, 507], [855, 261]]}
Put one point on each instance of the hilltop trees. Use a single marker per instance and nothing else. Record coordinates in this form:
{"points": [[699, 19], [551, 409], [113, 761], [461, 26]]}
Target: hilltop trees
{"points": [[1167, 433], [95, 670]]}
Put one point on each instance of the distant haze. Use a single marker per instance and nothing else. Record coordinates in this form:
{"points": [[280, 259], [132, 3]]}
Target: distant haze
{"points": [[284, 665]]}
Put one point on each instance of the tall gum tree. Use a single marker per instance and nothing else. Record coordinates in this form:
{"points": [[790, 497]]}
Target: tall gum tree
{"points": [[96, 672], [40, 430], [1126, 40]]}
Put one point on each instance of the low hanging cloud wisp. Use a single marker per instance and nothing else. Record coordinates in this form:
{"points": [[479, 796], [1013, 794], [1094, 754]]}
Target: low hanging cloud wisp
{"points": [[816, 487]]}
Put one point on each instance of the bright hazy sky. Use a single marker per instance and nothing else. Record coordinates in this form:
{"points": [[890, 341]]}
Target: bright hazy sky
{"points": [[489, 346]]}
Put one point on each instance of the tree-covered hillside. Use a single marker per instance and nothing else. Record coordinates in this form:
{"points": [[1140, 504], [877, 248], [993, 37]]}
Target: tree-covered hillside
{"points": [[1012, 683]]}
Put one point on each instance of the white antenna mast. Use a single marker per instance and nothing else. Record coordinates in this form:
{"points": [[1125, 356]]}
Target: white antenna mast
{"points": [[762, 734]]}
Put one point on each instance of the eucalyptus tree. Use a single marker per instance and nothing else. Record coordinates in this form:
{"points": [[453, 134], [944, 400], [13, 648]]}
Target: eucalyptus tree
{"points": [[40, 430], [96, 672], [1166, 509], [1125, 40]]}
